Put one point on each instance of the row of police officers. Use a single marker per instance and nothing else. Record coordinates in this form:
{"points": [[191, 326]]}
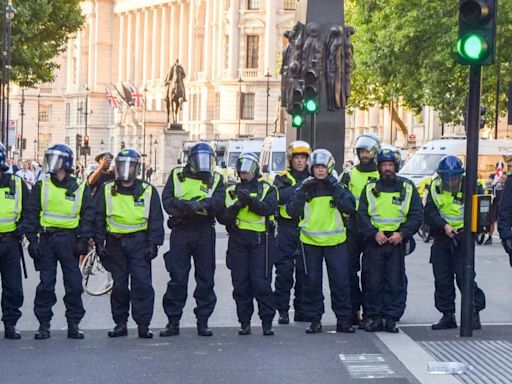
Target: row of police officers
{"points": [[362, 226]]}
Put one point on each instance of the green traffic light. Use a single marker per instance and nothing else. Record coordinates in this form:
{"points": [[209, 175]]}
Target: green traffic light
{"points": [[311, 106], [297, 120], [472, 47]]}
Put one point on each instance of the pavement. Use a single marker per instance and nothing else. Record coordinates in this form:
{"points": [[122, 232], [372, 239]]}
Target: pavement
{"points": [[291, 356]]}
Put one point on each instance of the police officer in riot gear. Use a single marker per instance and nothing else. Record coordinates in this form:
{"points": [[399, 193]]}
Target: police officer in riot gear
{"points": [[444, 212], [505, 212], [192, 196], [389, 214], [288, 255], [13, 200], [130, 228], [250, 205], [61, 211], [355, 178], [320, 201]]}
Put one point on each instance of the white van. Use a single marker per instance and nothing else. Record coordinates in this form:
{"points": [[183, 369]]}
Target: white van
{"points": [[273, 155], [234, 148], [422, 165]]}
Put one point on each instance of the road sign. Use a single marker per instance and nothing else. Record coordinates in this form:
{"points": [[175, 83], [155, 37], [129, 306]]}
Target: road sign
{"points": [[412, 138]]}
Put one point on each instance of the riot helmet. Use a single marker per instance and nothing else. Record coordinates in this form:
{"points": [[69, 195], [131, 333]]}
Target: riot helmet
{"points": [[128, 164], [451, 171], [248, 162], [201, 158], [3, 158], [368, 142], [58, 157], [322, 157]]}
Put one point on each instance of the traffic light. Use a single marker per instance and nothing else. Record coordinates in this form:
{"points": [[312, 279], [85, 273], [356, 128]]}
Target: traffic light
{"points": [[311, 91], [297, 107], [477, 32], [86, 141], [483, 110], [78, 139]]}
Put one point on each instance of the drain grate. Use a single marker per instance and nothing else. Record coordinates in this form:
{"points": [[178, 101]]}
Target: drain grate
{"points": [[367, 366], [490, 359]]}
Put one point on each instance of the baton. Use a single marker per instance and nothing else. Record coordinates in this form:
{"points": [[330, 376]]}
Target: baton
{"points": [[23, 264]]}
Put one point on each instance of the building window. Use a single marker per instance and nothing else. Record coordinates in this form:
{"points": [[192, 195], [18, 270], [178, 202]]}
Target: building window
{"points": [[253, 4], [68, 114], [248, 106], [45, 113], [252, 51], [290, 5]]}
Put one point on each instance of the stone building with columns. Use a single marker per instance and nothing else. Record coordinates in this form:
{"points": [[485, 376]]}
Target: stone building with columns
{"points": [[231, 53]]}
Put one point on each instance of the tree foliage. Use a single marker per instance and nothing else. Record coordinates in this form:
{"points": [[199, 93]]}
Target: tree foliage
{"points": [[405, 50], [40, 30]]}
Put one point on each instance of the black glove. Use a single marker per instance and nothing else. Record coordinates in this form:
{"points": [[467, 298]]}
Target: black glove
{"points": [[308, 183], [507, 244], [102, 252], [151, 253], [33, 250], [81, 247], [192, 207], [244, 196], [333, 181], [285, 182]]}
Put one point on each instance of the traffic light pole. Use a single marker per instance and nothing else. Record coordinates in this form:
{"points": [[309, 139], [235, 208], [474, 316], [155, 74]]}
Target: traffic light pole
{"points": [[470, 183], [312, 131]]}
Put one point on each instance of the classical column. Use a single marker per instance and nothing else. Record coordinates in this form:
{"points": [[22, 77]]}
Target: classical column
{"points": [[121, 55], [181, 35], [173, 34], [220, 39], [137, 51], [234, 16], [130, 52], [154, 45], [69, 64], [79, 58], [164, 42], [146, 47], [90, 52], [188, 60], [207, 56], [270, 36]]}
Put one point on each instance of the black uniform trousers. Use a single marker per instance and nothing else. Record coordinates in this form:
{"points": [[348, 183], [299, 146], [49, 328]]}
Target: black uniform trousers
{"points": [[131, 273], [288, 259], [10, 271], [356, 244], [385, 292], [197, 241], [336, 260], [446, 265], [246, 260], [58, 247]]}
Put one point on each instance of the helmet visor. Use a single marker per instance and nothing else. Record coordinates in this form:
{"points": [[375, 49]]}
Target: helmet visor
{"points": [[246, 165], [127, 168], [202, 162], [320, 158], [53, 161], [452, 183]]}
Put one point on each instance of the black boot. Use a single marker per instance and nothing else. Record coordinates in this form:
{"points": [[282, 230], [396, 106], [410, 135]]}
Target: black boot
{"points": [[119, 330], [314, 327], [364, 322], [374, 325], [11, 332], [172, 329], [144, 332], [476, 321], [299, 317], [356, 318], [203, 329], [245, 329], [344, 326], [267, 328], [74, 332], [446, 322], [43, 332], [283, 318], [390, 326]]}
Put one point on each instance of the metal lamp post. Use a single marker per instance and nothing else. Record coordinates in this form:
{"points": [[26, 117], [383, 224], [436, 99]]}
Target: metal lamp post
{"points": [[268, 76], [38, 124], [155, 144], [22, 114], [240, 81], [86, 115], [9, 13], [144, 165]]}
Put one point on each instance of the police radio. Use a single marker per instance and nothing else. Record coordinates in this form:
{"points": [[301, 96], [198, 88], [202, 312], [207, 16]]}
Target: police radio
{"points": [[480, 213]]}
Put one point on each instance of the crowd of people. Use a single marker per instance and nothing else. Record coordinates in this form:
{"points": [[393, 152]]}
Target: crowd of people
{"points": [[361, 225]]}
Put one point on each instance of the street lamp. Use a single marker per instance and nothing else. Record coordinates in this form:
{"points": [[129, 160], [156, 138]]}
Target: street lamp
{"points": [[268, 76], [155, 144], [240, 81], [22, 107], [35, 146], [38, 124], [86, 114], [144, 136], [102, 143], [9, 13]]}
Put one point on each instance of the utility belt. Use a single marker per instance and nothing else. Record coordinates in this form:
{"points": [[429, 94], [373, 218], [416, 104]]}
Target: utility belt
{"points": [[8, 236], [174, 222], [119, 236], [49, 231]]}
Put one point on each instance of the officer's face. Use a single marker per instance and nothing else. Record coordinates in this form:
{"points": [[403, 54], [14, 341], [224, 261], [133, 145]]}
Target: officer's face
{"points": [[387, 170], [246, 176], [299, 162], [320, 172], [364, 155]]}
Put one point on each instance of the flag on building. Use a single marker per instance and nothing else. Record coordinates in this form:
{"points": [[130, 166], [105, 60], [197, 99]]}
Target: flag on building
{"points": [[137, 97], [114, 103], [127, 94]]}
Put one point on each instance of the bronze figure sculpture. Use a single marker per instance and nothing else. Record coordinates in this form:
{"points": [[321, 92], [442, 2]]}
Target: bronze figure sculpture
{"points": [[175, 96]]}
